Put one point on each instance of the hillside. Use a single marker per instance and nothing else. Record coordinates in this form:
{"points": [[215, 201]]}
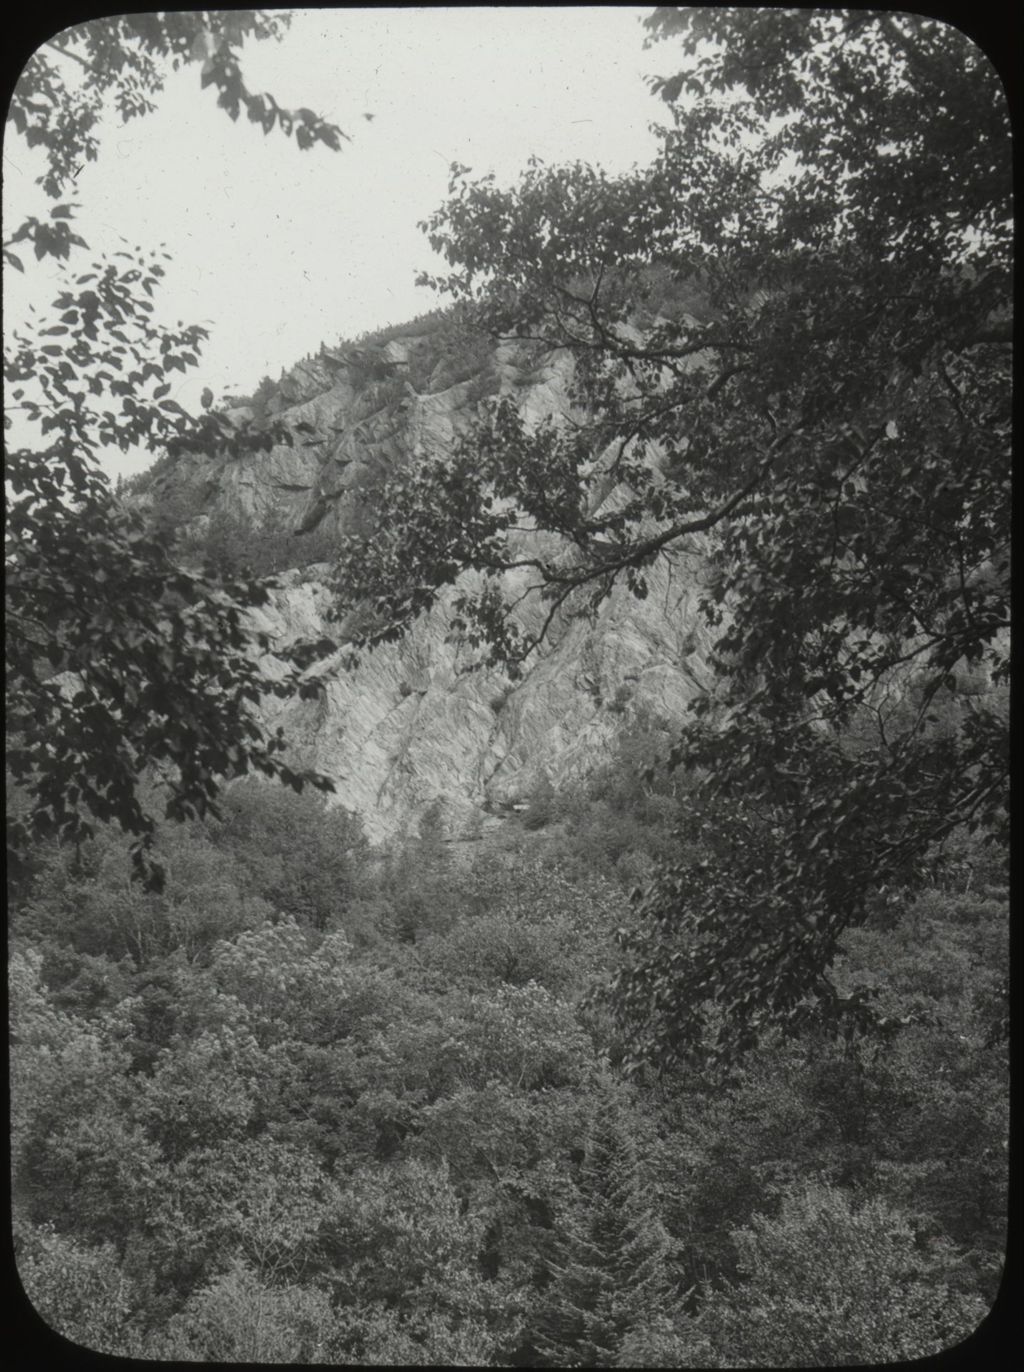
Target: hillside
{"points": [[417, 723], [508, 823]]}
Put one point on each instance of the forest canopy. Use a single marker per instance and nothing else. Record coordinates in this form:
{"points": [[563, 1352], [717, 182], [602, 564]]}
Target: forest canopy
{"points": [[319, 1102]]}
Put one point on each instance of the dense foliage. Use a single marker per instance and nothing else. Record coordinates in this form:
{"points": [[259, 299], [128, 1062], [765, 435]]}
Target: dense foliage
{"points": [[318, 1102], [118, 659], [303, 1099], [790, 338]]}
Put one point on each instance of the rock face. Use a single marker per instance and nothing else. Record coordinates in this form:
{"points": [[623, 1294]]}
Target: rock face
{"points": [[414, 725], [411, 726]]}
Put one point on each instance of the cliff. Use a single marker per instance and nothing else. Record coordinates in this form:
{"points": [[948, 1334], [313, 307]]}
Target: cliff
{"points": [[413, 723]]}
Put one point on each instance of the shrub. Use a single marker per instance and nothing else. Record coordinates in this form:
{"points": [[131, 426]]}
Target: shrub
{"points": [[497, 701], [541, 806], [623, 695]]}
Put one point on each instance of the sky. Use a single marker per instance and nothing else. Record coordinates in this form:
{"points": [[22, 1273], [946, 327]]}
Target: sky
{"points": [[277, 250]]}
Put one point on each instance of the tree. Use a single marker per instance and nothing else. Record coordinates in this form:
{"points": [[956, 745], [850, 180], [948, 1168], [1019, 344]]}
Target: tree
{"points": [[790, 339], [240, 1316], [877, 1298], [82, 1293], [78, 1157], [87, 902], [402, 1252], [318, 860], [610, 1273], [118, 660]]}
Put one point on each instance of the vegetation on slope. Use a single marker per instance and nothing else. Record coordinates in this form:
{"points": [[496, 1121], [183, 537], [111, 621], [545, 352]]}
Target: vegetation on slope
{"points": [[323, 1103]]}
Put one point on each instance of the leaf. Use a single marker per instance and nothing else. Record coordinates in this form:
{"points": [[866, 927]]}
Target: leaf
{"points": [[203, 46], [669, 89]]}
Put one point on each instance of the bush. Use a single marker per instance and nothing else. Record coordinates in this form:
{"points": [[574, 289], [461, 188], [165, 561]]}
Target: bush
{"points": [[541, 806], [623, 695]]}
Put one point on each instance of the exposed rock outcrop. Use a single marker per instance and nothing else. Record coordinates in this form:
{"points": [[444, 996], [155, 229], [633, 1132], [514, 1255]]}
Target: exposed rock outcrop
{"points": [[412, 724]]}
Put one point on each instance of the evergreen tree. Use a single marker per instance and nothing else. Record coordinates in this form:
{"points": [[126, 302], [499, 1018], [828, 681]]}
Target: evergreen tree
{"points": [[609, 1270]]}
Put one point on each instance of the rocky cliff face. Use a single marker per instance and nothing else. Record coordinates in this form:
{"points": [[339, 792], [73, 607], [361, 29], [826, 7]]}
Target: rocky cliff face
{"points": [[412, 725]]}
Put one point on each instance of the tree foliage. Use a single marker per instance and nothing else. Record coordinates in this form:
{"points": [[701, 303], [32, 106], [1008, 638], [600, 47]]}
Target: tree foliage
{"points": [[123, 60], [119, 660], [877, 1299], [609, 1272], [240, 1135], [790, 344]]}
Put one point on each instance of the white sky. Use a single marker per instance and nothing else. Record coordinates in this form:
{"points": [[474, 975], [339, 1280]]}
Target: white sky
{"points": [[279, 249]]}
